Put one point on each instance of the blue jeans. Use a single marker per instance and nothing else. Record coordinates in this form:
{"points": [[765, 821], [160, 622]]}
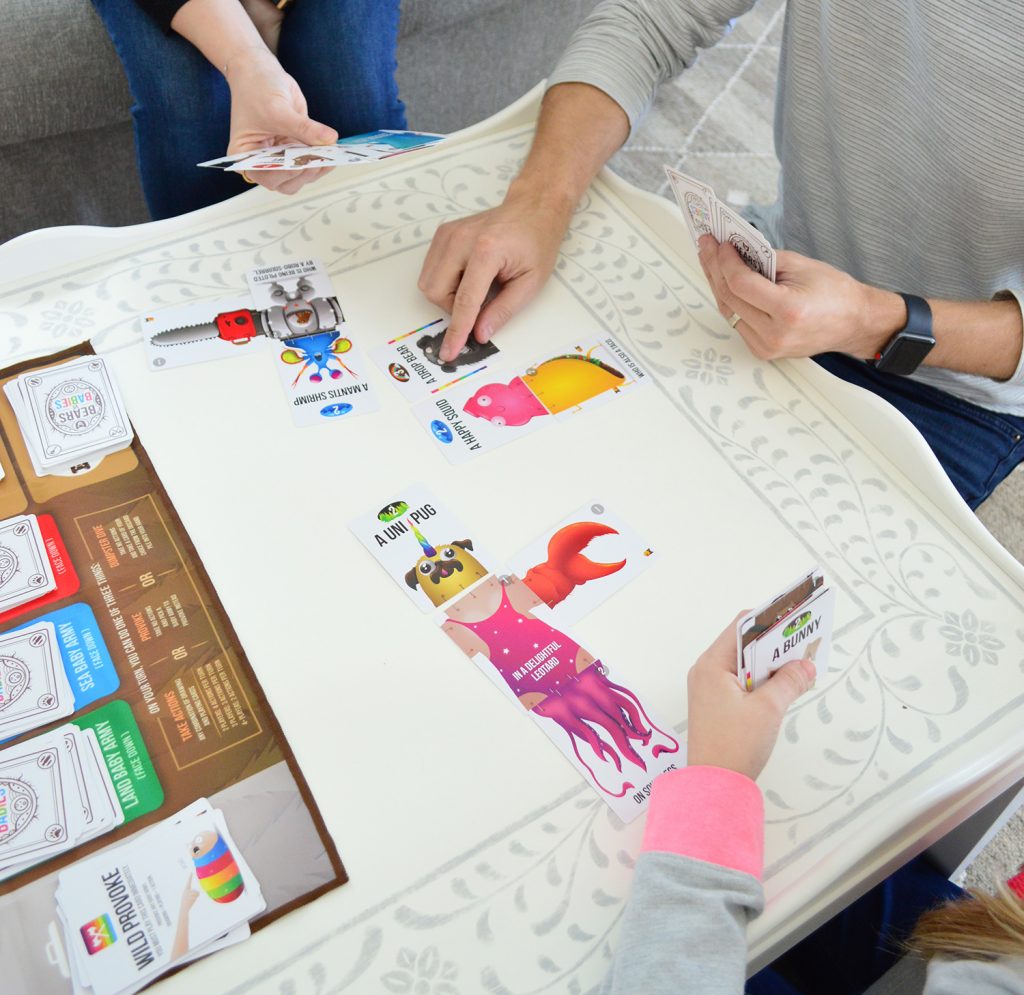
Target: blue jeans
{"points": [[976, 447], [340, 52], [855, 948]]}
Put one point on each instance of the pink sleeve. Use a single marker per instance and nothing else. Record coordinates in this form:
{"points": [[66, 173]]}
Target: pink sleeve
{"points": [[709, 814]]}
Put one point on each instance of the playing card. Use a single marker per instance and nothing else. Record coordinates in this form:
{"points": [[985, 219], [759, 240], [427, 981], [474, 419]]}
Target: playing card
{"points": [[34, 688], [317, 157], [271, 158], [582, 561], [805, 633], [141, 907], [75, 410], [25, 570], [599, 724], [698, 203], [320, 368], [795, 624], [387, 143], [197, 338], [488, 411], [35, 780], [423, 546], [753, 248], [412, 361], [83, 651], [226, 161]]}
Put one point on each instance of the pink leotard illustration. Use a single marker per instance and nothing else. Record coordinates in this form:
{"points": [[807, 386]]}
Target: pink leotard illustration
{"points": [[528, 653], [553, 676]]}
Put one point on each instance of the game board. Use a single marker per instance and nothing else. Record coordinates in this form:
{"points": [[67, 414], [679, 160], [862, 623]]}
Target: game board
{"points": [[159, 674], [480, 859]]}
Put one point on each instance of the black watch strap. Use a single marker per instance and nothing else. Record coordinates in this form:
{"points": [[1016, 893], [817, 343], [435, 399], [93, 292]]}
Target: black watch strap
{"points": [[905, 351]]}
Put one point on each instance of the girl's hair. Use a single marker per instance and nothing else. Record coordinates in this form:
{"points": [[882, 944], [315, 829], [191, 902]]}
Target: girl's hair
{"points": [[979, 927]]}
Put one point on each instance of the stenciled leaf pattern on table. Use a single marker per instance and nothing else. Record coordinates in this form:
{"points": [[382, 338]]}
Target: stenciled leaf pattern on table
{"points": [[925, 629]]}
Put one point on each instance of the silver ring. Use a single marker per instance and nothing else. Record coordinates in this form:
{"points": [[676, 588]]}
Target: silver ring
{"points": [[734, 320]]}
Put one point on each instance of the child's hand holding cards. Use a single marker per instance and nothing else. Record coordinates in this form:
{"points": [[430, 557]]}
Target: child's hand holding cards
{"points": [[795, 625], [705, 214]]}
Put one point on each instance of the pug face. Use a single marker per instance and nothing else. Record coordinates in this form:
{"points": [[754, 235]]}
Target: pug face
{"points": [[443, 575]]}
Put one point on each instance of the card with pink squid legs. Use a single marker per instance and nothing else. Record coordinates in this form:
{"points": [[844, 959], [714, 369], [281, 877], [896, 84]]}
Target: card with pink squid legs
{"points": [[600, 725]]}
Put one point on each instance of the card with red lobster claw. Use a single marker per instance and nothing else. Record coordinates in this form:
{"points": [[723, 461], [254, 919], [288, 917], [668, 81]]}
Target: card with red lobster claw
{"points": [[583, 561]]}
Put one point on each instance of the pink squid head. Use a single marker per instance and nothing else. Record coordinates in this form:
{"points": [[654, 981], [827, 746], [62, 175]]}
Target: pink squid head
{"points": [[505, 404]]}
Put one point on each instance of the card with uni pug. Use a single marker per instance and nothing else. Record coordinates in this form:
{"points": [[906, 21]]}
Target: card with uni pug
{"points": [[423, 546], [795, 625]]}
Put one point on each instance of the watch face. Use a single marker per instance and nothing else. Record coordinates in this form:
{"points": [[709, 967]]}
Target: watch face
{"points": [[904, 353]]}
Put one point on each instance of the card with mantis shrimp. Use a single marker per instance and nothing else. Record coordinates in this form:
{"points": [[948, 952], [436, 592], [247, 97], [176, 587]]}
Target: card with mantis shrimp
{"points": [[320, 368], [292, 308], [600, 725]]}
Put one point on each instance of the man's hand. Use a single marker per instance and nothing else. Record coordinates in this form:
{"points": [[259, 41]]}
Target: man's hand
{"points": [[812, 308], [268, 108], [728, 726], [515, 245]]}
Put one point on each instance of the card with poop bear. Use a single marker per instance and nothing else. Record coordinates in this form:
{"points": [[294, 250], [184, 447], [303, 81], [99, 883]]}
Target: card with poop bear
{"points": [[413, 364], [423, 546]]}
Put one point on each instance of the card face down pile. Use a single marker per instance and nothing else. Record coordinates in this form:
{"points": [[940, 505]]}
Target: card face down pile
{"points": [[173, 893], [795, 625], [705, 214], [25, 570], [70, 415], [34, 687], [55, 794]]}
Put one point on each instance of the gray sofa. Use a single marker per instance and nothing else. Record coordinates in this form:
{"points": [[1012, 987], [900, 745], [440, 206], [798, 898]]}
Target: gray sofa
{"points": [[66, 151]]}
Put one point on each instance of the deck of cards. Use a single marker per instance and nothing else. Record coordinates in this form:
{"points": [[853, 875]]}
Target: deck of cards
{"points": [[795, 625], [368, 147], [71, 415], [25, 569], [171, 894], [34, 687], [55, 794], [705, 214]]}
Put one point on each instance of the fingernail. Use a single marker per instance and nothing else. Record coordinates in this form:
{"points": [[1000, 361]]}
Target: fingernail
{"points": [[810, 671], [484, 333]]}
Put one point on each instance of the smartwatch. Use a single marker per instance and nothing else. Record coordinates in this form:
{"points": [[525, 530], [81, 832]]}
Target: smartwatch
{"points": [[904, 352]]}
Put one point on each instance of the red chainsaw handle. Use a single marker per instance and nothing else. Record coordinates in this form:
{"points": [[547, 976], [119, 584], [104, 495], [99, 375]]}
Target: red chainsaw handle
{"points": [[236, 326]]}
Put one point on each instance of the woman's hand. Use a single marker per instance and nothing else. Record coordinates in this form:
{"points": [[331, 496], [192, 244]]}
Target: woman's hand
{"points": [[728, 726], [268, 108]]}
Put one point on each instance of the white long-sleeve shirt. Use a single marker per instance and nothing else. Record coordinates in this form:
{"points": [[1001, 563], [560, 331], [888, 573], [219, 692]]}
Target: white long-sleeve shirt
{"points": [[899, 126]]}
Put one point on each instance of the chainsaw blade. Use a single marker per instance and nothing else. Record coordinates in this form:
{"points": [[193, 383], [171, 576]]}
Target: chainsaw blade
{"points": [[190, 333]]}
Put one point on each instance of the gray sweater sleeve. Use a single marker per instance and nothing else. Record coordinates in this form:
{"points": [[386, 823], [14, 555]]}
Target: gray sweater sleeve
{"points": [[684, 930], [1004, 976], [628, 47]]}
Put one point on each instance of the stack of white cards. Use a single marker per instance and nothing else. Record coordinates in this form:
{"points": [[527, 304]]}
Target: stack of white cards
{"points": [[71, 415], [171, 894], [705, 214], [34, 688], [25, 570], [57, 793]]}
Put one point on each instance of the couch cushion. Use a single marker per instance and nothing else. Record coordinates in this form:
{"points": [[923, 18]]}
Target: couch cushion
{"points": [[58, 71], [431, 15]]}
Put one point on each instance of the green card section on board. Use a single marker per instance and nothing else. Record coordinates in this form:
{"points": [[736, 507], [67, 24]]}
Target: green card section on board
{"points": [[131, 770]]}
